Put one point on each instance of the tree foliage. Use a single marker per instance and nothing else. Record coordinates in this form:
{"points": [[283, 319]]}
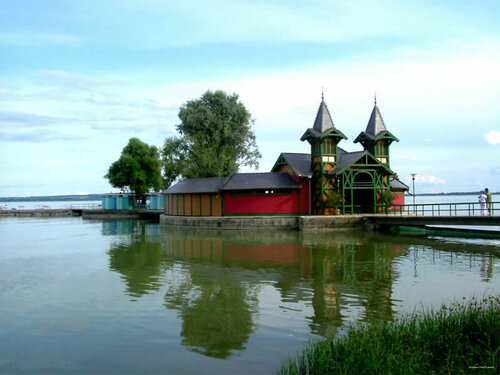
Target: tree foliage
{"points": [[173, 154], [216, 139], [139, 167]]}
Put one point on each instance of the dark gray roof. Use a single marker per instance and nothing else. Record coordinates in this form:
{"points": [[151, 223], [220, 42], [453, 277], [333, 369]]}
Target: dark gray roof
{"points": [[345, 158], [376, 123], [300, 163], [398, 185], [197, 185], [249, 181], [237, 181], [323, 120]]}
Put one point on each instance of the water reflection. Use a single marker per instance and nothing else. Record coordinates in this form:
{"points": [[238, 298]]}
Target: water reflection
{"points": [[217, 314], [215, 279], [349, 268], [138, 259]]}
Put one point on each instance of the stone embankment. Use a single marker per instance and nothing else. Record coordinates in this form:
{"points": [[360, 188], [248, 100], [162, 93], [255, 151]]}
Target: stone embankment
{"points": [[304, 223], [120, 214], [38, 213]]}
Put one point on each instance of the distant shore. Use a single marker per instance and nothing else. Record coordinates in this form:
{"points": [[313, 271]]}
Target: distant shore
{"points": [[54, 198]]}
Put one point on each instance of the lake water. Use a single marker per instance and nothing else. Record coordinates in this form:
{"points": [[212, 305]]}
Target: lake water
{"points": [[131, 297]]}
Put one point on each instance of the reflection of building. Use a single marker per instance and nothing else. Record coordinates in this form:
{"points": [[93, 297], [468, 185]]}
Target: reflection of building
{"points": [[323, 182], [114, 227], [238, 247], [339, 274]]}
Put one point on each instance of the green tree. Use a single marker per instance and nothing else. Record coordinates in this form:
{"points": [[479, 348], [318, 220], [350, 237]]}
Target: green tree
{"points": [[174, 153], [216, 138], [139, 167]]}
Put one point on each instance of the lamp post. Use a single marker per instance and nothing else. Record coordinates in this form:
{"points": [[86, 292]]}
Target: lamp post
{"points": [[413, 179]]}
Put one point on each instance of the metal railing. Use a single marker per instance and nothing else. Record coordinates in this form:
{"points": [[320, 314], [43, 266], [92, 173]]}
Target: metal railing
{"points": [[88, 206], [445, 209]]}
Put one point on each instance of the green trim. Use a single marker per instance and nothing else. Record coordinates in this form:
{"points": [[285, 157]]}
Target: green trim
{"points": [[282, 160], [223, 204], [332, 132], [211, 211]]}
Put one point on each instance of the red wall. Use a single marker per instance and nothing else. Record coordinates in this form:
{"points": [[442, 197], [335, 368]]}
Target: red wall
{"points": [[305, 182], [262, 204], [400, 199]]}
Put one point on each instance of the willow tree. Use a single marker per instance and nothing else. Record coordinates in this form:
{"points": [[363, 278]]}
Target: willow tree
{"points": [[216, 138]]}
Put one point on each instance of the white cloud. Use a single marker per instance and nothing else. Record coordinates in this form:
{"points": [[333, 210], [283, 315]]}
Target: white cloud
{"points": [[493, 137], [428, 179]]}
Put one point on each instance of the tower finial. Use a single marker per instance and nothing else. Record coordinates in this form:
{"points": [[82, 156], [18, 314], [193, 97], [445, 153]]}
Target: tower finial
{"points": [[375, 98], [322, 94]]}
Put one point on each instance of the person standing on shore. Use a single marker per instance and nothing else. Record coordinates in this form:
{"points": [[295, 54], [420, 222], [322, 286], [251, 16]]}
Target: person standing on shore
{"points": [[489, 200], [482, 202]]}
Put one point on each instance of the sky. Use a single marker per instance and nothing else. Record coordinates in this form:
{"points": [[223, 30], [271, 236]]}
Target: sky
{"points": [[78, 79]]}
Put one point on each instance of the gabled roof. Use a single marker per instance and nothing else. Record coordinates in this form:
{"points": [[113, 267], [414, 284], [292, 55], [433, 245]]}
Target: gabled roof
{"points": [[237, 181], [300, 163], [250, 181], [197, 185], [346, 159]]}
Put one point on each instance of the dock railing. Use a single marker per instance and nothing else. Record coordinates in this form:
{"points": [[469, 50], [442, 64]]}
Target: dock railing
{"points": [[87, 206], [444, 209]]}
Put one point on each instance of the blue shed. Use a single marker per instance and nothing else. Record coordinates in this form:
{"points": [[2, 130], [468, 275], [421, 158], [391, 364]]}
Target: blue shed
{"points": [[118, 202], [125, 201]]}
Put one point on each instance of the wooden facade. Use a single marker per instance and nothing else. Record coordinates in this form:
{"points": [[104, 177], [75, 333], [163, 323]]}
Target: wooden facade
{"points": [[193, 204]]}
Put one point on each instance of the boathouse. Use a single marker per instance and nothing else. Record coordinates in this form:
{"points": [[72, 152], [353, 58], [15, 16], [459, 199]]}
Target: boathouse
{"points": [[326, 181], [238, 194]]}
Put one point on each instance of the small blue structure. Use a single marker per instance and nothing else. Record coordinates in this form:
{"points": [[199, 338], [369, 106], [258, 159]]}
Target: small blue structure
{"points": [[156, 202], [125, 201]]}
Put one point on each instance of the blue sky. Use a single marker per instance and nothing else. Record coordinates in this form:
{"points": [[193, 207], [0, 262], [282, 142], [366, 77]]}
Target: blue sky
{"points": [[79, 78]]}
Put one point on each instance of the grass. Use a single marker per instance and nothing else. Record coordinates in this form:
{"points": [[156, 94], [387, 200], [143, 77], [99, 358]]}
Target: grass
{"points": [[461, 338]]}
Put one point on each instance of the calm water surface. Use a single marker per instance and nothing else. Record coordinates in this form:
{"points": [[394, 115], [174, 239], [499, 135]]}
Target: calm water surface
{"points": [[130, 297]]}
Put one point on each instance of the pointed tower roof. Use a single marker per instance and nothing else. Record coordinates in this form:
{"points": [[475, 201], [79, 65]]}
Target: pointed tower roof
{"points": [[375, 130], [323, 125], [376, 123], [323, 120]]}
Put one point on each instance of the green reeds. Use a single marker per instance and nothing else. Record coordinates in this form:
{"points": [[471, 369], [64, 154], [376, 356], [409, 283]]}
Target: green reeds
{"points": [[462, 338]]}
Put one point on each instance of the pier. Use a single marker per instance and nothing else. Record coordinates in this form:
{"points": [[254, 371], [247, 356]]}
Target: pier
{"points": [[434, 220]]}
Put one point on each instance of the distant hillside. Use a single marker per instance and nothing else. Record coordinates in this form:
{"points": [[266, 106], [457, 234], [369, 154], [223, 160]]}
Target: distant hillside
{"points": [[53, 198]]}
